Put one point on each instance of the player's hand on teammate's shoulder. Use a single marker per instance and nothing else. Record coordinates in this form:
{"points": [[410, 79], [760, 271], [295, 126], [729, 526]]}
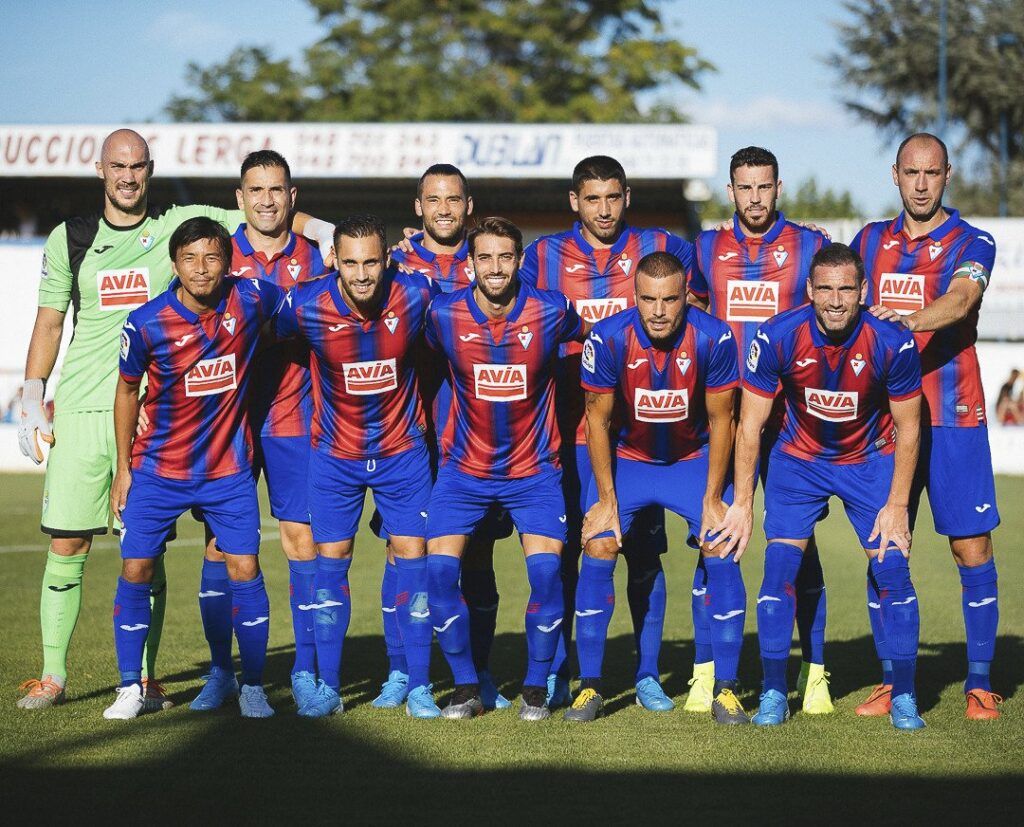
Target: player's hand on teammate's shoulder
{"points": [[807, 225], [880, 311], [602, 516]]}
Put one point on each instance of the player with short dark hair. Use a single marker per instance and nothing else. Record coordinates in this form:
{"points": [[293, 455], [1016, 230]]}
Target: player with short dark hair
{"points": [[852, 386], [928, 269], [194, 344]]}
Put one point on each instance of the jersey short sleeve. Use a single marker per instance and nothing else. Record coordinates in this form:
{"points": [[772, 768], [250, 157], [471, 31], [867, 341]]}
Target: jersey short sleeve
{"points": [[597, 367], [761, 367], [976, 260], [530, 267], [229, 218], [903, 380], [134, 358], [723, 371], [55, 278], [570, 324], [430, 332], [286, 317], [682, 250]]}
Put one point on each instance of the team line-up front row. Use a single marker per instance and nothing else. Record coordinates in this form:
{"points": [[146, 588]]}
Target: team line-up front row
{"points": [[444, 377]]}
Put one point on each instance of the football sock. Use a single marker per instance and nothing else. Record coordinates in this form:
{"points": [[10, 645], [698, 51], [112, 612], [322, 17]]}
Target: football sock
{"points": [[215, 611], [811, 606], [981, 619], [158, 607], [543, 615], [699, 609], [389, 614], [333, 613], [449, 616], [132, 614], [645, 591], [727, 607], [413, 616], [59, 605], [250, 608], [776, 606], [570, 566], [901, 618], [481, 594], [877, 630], [301, 577], [595, 602]]}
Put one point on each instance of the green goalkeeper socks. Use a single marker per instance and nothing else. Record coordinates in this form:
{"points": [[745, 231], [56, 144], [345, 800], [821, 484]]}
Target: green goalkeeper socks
{"points": [[59, 605], [158, 604]]}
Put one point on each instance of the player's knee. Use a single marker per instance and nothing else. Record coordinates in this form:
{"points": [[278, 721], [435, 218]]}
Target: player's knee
{"points": [[70, 546], [214, 554], [297, 541], [138, 569], [408, 548], [603, 548], [242, 567], [341, 550], [971, 551]]}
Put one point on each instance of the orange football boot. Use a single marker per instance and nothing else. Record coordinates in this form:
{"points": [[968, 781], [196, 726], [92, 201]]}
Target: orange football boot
{"points": [[983, 705], [879, 702]]}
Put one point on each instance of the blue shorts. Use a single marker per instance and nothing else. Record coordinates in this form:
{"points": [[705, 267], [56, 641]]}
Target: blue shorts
{"points": [[228, 505], [679, 487], [460, 501], [337, 491], [956, 468], [797, 492], [285, 461]]}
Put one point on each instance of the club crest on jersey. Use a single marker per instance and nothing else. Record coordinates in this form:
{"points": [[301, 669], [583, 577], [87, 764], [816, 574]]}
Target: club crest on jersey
{"points": [[500, 383], [935, 250], [780, 255], [294, 268], [625, 264], [751, 301], [831, 406], [593, 310], [857, 363], [525, 337], [661, 406], [123, 289], [147, 239], [902, 292], [683, 363], [211, 376], [367, 378], [391, 322], [229, 324]]}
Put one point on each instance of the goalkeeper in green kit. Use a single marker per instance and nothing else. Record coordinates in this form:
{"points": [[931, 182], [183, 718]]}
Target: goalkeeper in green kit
{"points": [[103, 266]]}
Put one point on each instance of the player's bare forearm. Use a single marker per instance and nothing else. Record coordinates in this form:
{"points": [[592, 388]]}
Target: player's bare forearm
{"points": [[906, 416], [948, 309], [754, 412], [44, 345], [721, 427], [696, 301], [126, 419], [599, 444]]}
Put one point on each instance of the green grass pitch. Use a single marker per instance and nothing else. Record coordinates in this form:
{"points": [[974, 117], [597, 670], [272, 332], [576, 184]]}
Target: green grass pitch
{"points": [[370, 765]]}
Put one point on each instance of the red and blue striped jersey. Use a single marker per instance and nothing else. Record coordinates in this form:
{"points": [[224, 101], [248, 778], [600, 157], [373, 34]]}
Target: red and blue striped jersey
{"points": [[451, 272], [660, 392], [837, 395], [366, 400], [280, 400], [599, 283], [502, 421], [906, 275], [198, 370]]}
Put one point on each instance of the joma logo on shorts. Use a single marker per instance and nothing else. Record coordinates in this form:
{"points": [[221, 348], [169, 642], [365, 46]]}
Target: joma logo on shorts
{"points": [[661, 406], [500, 383], [365, 378], [751, 301], [211, 376], [832, 406]]}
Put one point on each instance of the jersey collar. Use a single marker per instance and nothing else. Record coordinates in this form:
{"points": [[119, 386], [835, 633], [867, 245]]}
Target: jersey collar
{"points": [[483, 318], [644, 340], [773, 232], [821, 340], [417, 244], [184, 312], [940, 232], [246, 249], [339, 297], [614, 250]]}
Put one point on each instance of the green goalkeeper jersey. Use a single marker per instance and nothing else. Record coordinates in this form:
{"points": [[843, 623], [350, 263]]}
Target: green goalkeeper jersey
{"points": [[104, 272]]}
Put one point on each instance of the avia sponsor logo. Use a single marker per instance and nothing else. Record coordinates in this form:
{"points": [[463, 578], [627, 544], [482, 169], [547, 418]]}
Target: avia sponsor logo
{"points": [[751, 301], [123, 289], [661, 406], [593, 310], [211, 376], [902, 292], [367, 378], [500, 383], [832, 406]]}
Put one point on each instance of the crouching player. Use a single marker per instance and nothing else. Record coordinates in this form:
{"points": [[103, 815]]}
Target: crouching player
{"points": [[670, 371], [194, 344], [852, 387]]}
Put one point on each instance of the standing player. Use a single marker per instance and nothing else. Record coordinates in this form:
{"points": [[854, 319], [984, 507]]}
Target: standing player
{"points": [[745, 275], [928, 268], [281, 407], [499, 447], [364, 328], [194, 343], [102, 266], [594, 264], [670, 372], [852, 386]]}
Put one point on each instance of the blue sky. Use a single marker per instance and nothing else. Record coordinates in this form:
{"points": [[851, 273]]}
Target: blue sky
{"points": [[117, 61]]}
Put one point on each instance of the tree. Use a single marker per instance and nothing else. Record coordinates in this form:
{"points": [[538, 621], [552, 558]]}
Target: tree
{"points": [[804, 203], [457, 60]]}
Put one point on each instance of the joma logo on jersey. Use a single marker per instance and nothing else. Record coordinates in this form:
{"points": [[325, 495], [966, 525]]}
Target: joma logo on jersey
{"points": [[500, 383], [365, 378], [123, 289], [593, 310], [902, 292], [211, 376], [751, 301], [661, 406], [832, 406]]}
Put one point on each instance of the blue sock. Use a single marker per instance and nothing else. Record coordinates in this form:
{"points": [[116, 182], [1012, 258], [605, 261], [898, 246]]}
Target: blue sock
{"points": [[480, 592], [389, 614], [776, 607], [132, 615], [301, 575], [251, 610], [333, 614], [413, 613], [543, 615], [645, 591], [570, 563], [981, 619], [699, 609], [727, 607], [901, 618], [595, 602], [811, 607], [215, 610], [449, 616], [877, 630]]}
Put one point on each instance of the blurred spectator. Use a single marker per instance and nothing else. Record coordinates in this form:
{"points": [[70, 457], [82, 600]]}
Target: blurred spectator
{"points": [[1010, 402]]}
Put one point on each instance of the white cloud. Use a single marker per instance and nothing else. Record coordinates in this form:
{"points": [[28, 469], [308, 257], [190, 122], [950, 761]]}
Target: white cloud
{"points": [[184, 30], [768, 112]]}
